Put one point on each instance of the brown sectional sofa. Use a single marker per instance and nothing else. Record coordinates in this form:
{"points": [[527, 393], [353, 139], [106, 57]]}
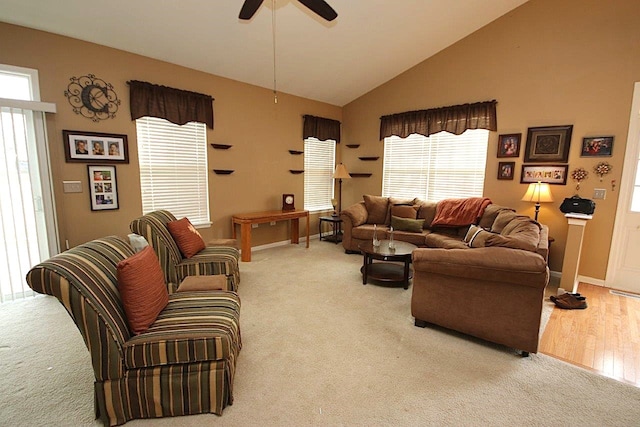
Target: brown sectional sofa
{"points": [[486, 279]]}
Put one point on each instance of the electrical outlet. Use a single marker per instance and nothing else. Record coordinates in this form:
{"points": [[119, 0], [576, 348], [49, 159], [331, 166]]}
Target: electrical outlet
{"points": [[599, 193], [72, 186], [254, 225], [272, 223]]}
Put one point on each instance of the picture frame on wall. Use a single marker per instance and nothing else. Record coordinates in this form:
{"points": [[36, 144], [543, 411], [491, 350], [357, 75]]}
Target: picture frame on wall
{"points": [[551, 174], [505, 170], [597, 146], [548, 144], [509, 145], [103, 187], [80, 146]]}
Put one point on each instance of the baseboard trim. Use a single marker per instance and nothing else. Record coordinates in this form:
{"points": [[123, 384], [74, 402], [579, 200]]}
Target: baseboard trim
{"points": [[591, 281], [282, 243]]}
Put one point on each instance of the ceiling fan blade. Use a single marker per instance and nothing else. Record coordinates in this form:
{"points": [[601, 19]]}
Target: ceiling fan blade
{"points": [[249, 8], [321, 8]]}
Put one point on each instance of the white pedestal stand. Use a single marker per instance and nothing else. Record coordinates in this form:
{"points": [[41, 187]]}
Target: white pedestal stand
{"points": [[577, 222]]}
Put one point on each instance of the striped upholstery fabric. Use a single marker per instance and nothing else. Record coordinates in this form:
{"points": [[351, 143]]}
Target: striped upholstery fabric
{"points": [[211, 260], [184, 364], [194, 327]]}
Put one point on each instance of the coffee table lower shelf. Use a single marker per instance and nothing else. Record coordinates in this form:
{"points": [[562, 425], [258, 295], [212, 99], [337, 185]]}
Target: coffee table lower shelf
{"points": [[387, 272]]}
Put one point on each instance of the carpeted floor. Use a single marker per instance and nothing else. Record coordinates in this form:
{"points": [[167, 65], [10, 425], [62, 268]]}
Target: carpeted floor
{"points": [[319, 348]]}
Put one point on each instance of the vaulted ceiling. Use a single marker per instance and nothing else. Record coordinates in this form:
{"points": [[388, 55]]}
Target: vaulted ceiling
{"points": [[370, 42]]}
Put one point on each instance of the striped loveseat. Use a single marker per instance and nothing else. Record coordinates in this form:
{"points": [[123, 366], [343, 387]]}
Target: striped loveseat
{"points": [[183, 364], [209, 261]]}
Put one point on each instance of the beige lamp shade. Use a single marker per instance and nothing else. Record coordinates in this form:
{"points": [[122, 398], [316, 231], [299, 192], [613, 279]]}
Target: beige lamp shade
{"points": [[341, 172], [538, 192]]}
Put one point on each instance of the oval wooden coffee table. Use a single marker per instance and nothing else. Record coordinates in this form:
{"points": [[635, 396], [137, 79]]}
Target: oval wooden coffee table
{"points": [[387, 271]]}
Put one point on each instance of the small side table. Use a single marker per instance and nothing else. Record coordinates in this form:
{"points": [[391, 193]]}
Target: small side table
{"points": [[336, 228]]}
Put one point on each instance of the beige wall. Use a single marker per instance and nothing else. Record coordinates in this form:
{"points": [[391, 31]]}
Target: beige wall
{"points": [[548, 62], [246, 117]]}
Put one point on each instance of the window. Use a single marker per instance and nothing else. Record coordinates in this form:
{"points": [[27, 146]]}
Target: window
{"points": [[438, 167], [319, 162], [173, 168]]}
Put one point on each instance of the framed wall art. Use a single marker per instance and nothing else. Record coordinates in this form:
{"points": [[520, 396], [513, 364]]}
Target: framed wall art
{"points": [[103, 188], [509, 145], [505, 170], [95, 147], [548, 144], [597, 146], [551, 174]]}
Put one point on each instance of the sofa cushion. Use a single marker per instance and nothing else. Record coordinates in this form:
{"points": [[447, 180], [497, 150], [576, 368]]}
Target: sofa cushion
{"points": [[503, 218], [404, 211], [489, 216], [377, 207], [426, 211], [521, 233], [194, 327], [476, 237], [394, 201], [444, 241], [142, 289], [186, 236], [365, 232], [417, 239], [407, 224]]}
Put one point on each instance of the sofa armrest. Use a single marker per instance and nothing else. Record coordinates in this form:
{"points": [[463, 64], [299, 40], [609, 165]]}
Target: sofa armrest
{"points": [[492, 263], [357, 214]]}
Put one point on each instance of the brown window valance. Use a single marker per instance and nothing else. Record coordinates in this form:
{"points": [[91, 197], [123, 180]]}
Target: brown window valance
{"points": [[454, 119], [321, 128], [177, 106]]}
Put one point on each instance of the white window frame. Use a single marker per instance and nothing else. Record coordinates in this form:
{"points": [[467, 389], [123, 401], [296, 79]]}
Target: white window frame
{"points": [[173, 168], [319, 165], [437, 167]]}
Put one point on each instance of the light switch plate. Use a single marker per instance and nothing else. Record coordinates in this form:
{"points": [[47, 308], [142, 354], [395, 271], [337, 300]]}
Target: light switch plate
{"points": [[599, 193], [72, 186]]}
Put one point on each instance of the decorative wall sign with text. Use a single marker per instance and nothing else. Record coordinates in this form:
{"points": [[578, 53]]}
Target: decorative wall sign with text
{"points": [[92, 97]]}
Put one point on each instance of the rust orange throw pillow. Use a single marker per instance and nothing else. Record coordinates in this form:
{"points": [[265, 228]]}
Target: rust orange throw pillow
{"points": [[186, 236], [142, 289]]}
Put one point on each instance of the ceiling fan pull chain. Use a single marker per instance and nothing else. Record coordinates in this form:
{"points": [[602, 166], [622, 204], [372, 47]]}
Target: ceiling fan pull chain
{"points": [[273, 28]]}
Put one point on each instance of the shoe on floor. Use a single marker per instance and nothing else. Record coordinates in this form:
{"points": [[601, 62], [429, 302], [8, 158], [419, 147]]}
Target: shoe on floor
{"points": [[569, 302]]}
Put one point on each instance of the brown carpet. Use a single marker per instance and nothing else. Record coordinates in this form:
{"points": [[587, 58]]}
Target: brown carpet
{"points": [[321, 349]]}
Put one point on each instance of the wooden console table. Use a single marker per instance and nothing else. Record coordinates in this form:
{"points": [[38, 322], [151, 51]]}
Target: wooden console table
{"points": [[245, 221]]}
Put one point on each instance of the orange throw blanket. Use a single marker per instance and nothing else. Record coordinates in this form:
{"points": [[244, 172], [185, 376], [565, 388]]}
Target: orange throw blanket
{"points": [[459, 212]]}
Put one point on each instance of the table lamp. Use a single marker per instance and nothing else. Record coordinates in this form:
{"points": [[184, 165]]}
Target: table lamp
{"points": [[340, 174], [538, 192]]}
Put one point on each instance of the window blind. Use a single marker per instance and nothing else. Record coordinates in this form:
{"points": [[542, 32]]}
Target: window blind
{"points": [[434, 168], [173, 168], [319, 162]]}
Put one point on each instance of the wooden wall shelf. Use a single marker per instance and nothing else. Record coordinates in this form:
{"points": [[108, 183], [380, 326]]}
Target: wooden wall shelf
{"points": [[221, 146], [295, 152], [296, 172], [360, 175], [353, 145], [369, 158], [223, 171]]}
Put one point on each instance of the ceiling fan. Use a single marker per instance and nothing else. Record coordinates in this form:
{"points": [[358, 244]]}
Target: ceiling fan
{"points": [[319, 7]]}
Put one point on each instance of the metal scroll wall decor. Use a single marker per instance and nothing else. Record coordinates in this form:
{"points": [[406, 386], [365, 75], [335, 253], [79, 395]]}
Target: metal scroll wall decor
{"points": [[92, 97]]}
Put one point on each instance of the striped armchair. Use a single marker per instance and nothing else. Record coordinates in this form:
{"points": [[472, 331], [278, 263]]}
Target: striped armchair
{"points": [[183, 364], [209, 261]]}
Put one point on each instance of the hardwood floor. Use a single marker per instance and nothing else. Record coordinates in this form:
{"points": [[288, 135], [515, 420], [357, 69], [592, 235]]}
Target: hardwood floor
{"points": [[604, 337]]}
